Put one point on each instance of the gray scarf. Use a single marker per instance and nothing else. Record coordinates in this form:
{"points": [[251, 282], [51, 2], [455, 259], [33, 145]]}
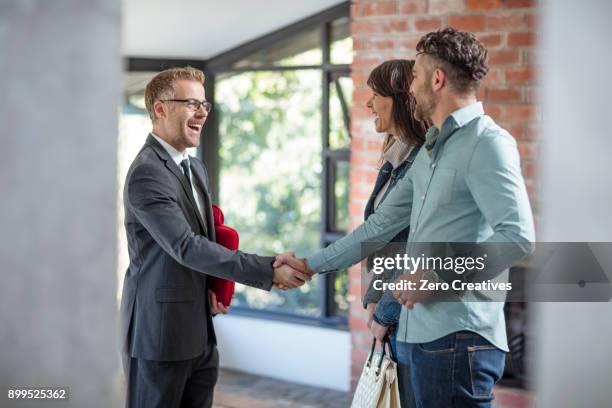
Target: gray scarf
{"points": [[397, 153]]}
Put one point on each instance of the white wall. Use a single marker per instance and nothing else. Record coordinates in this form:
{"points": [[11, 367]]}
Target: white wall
{"points": [[573, 361], [292, 352]]}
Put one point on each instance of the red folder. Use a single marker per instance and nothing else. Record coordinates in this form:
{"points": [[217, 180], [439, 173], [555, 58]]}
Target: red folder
{"points": [[228, 237]]}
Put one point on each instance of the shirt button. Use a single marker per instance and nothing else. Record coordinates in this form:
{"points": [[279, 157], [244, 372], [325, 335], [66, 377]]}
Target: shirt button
{"points": [[422, 197], [433, 165]]}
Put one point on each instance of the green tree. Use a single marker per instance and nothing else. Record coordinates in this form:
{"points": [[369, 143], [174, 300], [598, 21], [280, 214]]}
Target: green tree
{"points": [[270, 151]]}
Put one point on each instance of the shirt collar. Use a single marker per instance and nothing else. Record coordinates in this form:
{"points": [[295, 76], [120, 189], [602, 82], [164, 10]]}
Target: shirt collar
{"points": [[465, 115], [431, 137], [455, 120], [176, 156]]}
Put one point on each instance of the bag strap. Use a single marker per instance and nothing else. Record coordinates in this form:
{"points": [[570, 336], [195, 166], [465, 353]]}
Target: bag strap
{"points": [[382, 355], [391, 353]]}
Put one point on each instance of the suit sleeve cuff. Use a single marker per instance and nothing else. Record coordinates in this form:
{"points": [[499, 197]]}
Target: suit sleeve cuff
{"points": [[267, 262]]}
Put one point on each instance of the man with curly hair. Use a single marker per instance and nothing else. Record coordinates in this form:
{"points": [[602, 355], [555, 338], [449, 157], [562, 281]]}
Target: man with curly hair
{"points": [[465, 186]]}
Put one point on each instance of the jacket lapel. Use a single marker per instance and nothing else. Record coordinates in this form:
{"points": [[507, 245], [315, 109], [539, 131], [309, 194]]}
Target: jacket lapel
{"points": [[381, 179], [200, 178], [171, 165]]}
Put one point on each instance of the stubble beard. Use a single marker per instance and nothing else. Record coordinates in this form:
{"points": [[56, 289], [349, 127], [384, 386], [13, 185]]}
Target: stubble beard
{"points": [[182, 135], [425, 106]]}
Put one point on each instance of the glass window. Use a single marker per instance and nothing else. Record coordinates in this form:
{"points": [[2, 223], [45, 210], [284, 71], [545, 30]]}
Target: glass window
{"points": [[284, 157], [341, 196], [340, 102], [134, 84], [270, 172], [341, 50], [341, 304], [301, 49]]}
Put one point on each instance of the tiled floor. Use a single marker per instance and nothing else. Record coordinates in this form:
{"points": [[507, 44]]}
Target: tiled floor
{"points": [[239, 390], [506, 397]]}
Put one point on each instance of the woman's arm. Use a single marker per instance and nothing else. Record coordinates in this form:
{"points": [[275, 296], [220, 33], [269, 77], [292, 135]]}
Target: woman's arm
{"points": [[391, 216]]}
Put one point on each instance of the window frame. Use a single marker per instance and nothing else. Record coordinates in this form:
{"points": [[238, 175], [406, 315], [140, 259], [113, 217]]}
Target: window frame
{"points": [[222, 64]]}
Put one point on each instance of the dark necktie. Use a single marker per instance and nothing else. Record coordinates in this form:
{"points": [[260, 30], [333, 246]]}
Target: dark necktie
{"points": [[185, 166]]}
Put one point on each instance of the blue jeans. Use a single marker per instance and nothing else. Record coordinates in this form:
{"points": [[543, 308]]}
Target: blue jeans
{"points": [[458, 370], [393, 341]]}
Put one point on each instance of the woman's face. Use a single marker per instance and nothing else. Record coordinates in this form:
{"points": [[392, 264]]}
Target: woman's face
{"points": [[382, 110]]}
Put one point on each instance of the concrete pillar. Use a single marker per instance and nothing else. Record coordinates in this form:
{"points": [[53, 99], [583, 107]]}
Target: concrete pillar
{"points": [[60, 82], [572, 356]]}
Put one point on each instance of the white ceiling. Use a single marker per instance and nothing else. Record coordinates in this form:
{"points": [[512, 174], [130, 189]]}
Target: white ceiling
{"points": [[204, 28]]}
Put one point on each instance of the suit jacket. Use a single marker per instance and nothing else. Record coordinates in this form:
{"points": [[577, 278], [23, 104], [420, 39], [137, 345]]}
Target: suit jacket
{"points": [[165, 311]]}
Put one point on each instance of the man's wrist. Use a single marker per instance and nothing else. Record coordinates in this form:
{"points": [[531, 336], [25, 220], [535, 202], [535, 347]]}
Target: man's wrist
{"points": [[431, 276], [274, 280], [379, 321], [306, 266], [315, 261]]}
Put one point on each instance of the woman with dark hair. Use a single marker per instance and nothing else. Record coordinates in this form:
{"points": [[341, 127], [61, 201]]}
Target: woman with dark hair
{"points": [[393, 108], [388, 82]]}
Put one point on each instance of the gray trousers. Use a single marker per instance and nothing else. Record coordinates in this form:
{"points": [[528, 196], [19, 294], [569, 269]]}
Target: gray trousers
{"points": [[173, 384]]}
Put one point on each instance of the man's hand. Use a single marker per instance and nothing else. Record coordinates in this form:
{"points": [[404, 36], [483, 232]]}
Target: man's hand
{"points": [[288, 258], [370, 308], [378, 331], [216, 307], [409, 297], [286, 277]]}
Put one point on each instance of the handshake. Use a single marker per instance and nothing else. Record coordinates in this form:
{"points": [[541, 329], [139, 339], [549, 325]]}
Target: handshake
{"points": [[290, 272]]}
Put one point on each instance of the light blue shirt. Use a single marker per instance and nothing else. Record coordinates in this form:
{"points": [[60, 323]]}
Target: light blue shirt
{"points": [[467, 187]]}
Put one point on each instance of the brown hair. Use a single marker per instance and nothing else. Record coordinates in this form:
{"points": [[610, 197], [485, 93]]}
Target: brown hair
{"points": [[162, 85], [392, 79], [459, 54]]}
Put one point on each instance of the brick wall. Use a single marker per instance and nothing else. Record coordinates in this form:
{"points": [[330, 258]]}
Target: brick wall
{"points": [[383, 30]]}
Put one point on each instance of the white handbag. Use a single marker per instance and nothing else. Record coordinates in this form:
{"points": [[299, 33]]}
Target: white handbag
{"points": [[378, 384]]}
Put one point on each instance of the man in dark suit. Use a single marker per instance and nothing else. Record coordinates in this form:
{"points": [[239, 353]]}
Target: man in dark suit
{"points": [[170, 349]]}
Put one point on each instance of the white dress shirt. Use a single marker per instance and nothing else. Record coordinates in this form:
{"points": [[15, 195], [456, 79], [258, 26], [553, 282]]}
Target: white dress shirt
{"points": [[178, 157]]}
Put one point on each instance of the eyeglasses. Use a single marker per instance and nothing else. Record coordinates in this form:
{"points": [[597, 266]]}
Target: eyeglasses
{"points": [[192, 104]]}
